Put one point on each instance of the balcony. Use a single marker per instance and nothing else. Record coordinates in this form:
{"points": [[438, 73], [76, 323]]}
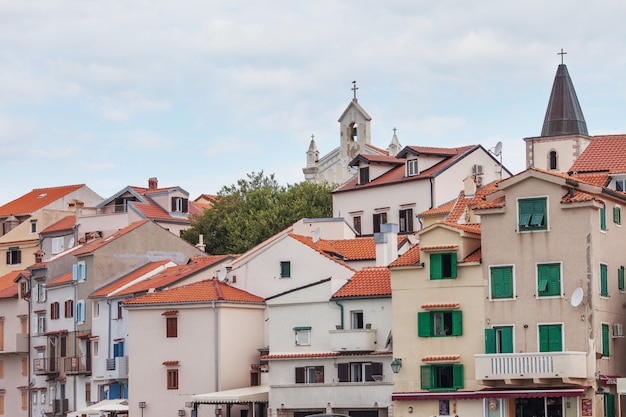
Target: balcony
{"points": [[45, 366], [353, 340], [117, 368], [531, 366], [77, 365]]}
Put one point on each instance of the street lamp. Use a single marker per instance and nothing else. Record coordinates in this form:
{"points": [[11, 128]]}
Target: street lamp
{"points": [[396, 364], [142, 405]]}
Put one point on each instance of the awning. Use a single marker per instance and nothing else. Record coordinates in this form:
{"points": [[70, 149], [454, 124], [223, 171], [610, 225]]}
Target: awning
{"points": [[489, 393], [119, 405], [258, 394]]}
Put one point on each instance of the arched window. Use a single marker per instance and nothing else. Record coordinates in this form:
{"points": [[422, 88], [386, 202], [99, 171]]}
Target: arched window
{"points": [[553, 160]]}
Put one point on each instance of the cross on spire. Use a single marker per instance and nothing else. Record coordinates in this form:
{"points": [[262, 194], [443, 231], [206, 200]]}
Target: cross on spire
{"points": [[354, 88], [561, 53]]}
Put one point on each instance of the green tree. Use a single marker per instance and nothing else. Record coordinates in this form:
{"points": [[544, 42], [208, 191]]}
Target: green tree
{"points": [[257, 207]]}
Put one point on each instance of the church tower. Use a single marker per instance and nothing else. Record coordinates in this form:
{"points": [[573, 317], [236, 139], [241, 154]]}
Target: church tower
{"points": [[564, 134], [354, 129]]}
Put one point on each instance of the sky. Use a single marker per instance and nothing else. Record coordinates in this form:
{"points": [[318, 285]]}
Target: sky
{"points": [[199, 93]]}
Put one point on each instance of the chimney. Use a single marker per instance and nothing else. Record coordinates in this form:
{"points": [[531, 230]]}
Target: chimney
{"points": [[386, 244], [153, 183]]}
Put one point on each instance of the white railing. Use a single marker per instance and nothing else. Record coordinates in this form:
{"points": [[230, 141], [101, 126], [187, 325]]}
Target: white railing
{"points": [[531, 365]]}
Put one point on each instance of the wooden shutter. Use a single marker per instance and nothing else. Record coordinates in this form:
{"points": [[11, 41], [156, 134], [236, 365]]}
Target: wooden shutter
{"points": [[426, 377], [617, 215], [609, 405], [377, 369], [452, 265], [185, 205], [620, 278], [525, 213], [343, 372], [172, 327], [457, 376], [604, 285], [502, 282], [457, 323], [603, 217], [490, 341], [424, 324], [605, 340], [506, 339], [300, 375], [436, 266]]}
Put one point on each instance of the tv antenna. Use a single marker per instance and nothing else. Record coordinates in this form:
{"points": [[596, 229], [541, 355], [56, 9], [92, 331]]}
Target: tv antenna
{"points": [[316, 234], [497, 151], [221, 275]]}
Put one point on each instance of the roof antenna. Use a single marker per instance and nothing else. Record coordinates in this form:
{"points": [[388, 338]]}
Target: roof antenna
{"points": [[497, 151]]}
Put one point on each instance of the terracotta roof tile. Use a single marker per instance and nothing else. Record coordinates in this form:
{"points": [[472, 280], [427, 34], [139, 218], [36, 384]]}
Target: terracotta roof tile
{"points": [[439, 247], [470, 227], [321, 354], [604, 153], [372, 281], [96, 244], [441, 358], [37, 199], [8, 286], [66, 223], [145, 271], [600, 179], [438, 211], [435, 306], [409, 258], [322, 246], [199, 292], [475, 256], [63, 279]]}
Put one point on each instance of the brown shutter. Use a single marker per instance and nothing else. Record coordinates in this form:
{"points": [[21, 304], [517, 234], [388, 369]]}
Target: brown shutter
{"points": [[300, 375], [343, 372]]}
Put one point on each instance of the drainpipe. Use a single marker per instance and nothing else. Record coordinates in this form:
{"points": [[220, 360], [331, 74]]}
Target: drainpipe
{"points": [[432, 193], [216, 345], [341, 308], [109, 340]]}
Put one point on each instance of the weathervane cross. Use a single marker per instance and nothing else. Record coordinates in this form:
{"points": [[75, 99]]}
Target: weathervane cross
{"points": [[354, 88], [561, 53]]}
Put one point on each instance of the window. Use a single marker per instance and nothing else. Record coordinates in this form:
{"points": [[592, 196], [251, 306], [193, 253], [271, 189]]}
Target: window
{"points": [[95, 310], [58, 245], [95, 348], [620, 278], [553, 160], [378, 219], [620, 185], [443, 265], [603, 218], [550, 338], [617, 215], [78, 271], [120, 310], [180, 205], [285, 269], [54, 310], [360, 371], [532, 214], [406, 220], [549, 280], [499, 339], [14, 256], [356, 319], [303, 335], [41, 324], [604, 281], [63, 348], [171, 327], [434, 377], [364, 175], [356, 222], [606, 337], [69, 309], [87, 392], [33, 226], [439, 323], [501, 282], [172, 379], [310, 375], [80, 312], [41, 293], [411, 167]]}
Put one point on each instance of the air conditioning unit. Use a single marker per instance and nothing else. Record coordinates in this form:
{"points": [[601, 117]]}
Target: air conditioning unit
{"points": [[477, 170], [618, 330]]}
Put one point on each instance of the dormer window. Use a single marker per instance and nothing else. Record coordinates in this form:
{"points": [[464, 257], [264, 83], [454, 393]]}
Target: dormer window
{"points": [[364, 175], [411, 168], [619, 184], [179, 205]]}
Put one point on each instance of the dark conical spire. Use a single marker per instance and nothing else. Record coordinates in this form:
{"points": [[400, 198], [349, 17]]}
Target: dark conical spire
{"points": [[563, 116]]}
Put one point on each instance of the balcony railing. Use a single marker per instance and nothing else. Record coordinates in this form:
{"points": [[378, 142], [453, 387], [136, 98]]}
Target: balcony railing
{"points": [[44, 366], [117, 368], [77, 365], [504, 366], [353, 340]]}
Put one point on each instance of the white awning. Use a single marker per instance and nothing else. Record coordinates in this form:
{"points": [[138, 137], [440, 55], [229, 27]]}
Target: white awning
{"points": [[119, 405], [258, 394]]}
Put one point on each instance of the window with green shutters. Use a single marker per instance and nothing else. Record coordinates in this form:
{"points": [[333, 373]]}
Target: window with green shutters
{"points": [[443, 265], [604, 281], [285, 269], [501, 282], [532, 214], [439, 323], [617, 215], [441, 377], [499, 339], [549, 280], [620, 278], [606, 337], [609, 405], [550, 338], [603, 217]]}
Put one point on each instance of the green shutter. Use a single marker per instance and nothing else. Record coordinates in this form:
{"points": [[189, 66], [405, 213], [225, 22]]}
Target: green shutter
{"points": [[457, 376], [532, 214], [426, 377], [555, 338], [603, 217], [554, 281], [424, 324], [543, 276], [525, 213], [453, 265], [605, 340], [502, 282], [617, 215], [604, 284], [457, 323], [620, 278], [506, 339], [609, 405], [544, 339], [490, 341], [436, 266]]}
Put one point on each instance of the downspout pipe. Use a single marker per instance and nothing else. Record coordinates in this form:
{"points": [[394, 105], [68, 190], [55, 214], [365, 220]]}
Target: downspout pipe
{"points": [[341, 309], [216, 345]]}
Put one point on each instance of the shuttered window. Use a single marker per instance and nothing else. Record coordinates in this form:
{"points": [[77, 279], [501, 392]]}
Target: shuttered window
{"points": [[501, 282], [532, 214], [441, 377], [550, 338], [443, 265], [549, 280]]}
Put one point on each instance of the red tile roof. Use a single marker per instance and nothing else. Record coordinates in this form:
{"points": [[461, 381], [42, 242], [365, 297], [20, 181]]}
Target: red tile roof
{"points": [[604, 153], [322, 247], [8, 286], [371, 281], [442, 358], [434, 306], [146, 270], [66, 223], [199, 292], [37, 199], [96, 244], [63, 279], [409, 258], [321, 354], [475, 256]]}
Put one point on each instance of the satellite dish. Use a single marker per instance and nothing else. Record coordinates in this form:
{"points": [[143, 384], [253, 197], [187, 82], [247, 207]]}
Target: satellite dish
{"points": [[221, 275], [316, 234], [71, 244], [577, 297], [498, 149]]}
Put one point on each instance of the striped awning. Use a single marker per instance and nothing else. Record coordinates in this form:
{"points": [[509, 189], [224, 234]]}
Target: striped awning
{"points": [[490, 393]]}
